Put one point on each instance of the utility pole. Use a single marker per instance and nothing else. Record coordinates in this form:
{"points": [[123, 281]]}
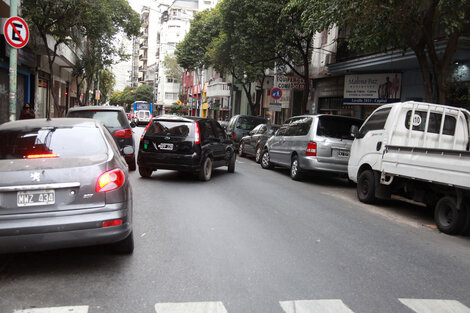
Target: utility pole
{"points": [[13, 67]]}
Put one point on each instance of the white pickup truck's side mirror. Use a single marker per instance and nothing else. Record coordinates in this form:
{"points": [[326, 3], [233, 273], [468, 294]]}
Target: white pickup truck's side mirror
{"points": [[355, 131]]}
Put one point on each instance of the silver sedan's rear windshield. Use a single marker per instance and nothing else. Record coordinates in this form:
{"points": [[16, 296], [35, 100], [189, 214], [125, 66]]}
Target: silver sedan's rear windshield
{"points": [[64, 142]]}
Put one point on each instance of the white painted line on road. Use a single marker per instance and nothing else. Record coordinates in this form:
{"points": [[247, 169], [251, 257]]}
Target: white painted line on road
{"points": [[315, 306], [435, 306], [191, 307], [62, 309]]}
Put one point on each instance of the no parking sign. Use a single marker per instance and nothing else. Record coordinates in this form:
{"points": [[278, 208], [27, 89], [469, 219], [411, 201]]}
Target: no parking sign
{"points": [[16, 32]]}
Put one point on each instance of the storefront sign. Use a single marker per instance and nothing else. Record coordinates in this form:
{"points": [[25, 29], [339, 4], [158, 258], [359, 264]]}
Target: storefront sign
{"points": [[275, 107], [289, 82], [372, 88]]}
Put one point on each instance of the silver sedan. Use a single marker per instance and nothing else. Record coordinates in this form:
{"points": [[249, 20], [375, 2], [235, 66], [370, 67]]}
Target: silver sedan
{"points": [[63, 184]]}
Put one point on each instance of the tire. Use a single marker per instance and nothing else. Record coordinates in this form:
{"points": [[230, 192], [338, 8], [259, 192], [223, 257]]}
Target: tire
{"points": [[125, 246], [145, 172], [132, 165], [366, 187], [205, 172], [231, 164], [295, 171], [240, 149], [448, 219], [265, 161], [258, 154]]}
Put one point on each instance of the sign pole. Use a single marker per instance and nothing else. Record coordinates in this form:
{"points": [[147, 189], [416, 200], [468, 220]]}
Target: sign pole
{"points": [[13, 67]]}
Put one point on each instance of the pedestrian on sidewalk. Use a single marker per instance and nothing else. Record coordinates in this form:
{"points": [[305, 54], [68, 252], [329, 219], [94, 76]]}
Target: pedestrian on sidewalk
{"points": [[27, 112]]}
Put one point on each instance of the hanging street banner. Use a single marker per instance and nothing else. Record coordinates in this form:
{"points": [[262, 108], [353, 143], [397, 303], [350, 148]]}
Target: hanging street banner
{"points": [[372, 88], [16, 32]]}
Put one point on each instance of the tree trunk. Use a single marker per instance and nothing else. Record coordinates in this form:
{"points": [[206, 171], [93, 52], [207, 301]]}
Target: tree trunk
{"points": [[426, 74]]}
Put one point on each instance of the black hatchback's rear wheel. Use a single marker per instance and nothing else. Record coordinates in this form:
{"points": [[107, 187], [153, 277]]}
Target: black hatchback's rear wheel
{"points": [[145, 171], [206, 169], [231, 164], [448, 218], [132, 165]]}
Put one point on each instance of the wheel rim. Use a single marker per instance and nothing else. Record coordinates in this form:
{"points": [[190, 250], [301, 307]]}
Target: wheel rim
{"points": [[207, 167], [265, 159], [294, 168], [258, 154], [240, 149]]}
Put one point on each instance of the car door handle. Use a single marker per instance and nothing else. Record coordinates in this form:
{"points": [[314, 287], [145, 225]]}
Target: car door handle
{"points": [[379, 145]]}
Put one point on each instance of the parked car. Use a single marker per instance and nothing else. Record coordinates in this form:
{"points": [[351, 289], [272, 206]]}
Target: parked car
{"points": [[64, 184], [187, 144], [311, 143], [142, 117], [115, 120], [223, 124], [240, 125], [253, 143]]}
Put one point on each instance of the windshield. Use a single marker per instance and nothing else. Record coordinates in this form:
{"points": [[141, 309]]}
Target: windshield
{"points": [[248, 123], [65, 142]]}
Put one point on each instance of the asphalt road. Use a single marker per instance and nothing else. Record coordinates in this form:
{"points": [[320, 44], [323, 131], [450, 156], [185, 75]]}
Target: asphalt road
{"points": [[252, 241]]}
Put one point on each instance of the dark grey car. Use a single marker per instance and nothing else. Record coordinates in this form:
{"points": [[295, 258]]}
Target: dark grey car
{"points": [[240, 125], [64, 184], [115, 120], [253, 143]]}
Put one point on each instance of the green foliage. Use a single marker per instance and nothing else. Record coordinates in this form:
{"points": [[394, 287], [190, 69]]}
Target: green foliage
{"points": [[178, 109], [143, 93], [173, 70], [107, 81]]}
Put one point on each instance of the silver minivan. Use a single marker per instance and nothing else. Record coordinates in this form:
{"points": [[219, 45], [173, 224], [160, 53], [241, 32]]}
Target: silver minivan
{"points": [[311, 143]]}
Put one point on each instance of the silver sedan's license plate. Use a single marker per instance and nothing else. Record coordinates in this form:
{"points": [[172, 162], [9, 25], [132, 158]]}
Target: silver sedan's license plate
{"points": [[35, 197], [343, 153], [165, 146]]}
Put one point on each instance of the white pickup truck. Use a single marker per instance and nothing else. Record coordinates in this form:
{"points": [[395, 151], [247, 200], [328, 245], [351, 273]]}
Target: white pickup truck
{"points": [[419, 151]]}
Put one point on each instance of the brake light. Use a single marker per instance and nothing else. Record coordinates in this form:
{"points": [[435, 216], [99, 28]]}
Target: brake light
{"points": [[110, 180], [234, 136], [123, 133], [41, 156], [197, 137], [311, 149], [145, 130], [116, 222]]}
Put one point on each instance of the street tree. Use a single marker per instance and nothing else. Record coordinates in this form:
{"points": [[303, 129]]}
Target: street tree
{"points": [[107, 81], [246, 44], [58, 19], [143, 93], [173, 69], [431, 29]]}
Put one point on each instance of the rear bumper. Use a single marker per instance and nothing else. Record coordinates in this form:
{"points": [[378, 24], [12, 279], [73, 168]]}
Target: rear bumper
{"points": [[169, 161], [55, 230], [317, 164]]}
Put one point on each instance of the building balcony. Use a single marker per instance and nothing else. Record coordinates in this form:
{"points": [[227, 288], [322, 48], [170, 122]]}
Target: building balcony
{"points": [[144, 34], [143, 46], [218, 89], [143, 57], [144, 22]]}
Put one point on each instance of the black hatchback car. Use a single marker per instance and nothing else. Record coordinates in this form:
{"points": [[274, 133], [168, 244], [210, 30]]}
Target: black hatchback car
{"points": [[186, 144], [115, 120]]}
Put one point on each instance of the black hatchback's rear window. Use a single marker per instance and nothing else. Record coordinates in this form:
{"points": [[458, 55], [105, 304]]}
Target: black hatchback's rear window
{"points": [[65, 142], [171, 128], [336, 126]]}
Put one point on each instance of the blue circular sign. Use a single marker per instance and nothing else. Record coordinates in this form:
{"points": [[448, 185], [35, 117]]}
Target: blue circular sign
{"points": [[276, 93]]}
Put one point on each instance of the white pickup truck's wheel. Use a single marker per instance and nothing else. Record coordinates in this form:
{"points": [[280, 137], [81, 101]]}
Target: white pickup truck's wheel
{"points": [[366, 187], [448, 219]]}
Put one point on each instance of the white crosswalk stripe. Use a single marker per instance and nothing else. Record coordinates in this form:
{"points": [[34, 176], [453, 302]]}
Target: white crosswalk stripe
{"points": [[191, 307], [435, 306], [62, 309], [315, 306]]}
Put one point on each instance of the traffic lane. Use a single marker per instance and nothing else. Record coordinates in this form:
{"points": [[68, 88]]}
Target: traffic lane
{"points": [[251, 245], [281, 246]]}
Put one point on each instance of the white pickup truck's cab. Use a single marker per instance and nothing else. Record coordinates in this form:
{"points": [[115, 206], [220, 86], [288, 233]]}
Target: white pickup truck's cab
{"points": [[417, 150]]}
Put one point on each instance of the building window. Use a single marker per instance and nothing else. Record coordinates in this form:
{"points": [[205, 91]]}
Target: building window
{"points": [[170, 80], [171, 95]]}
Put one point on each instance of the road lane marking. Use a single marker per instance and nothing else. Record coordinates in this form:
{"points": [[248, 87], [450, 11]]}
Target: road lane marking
{"points": [[62, 309], [190, 307], [435, 306], [315, 306]]}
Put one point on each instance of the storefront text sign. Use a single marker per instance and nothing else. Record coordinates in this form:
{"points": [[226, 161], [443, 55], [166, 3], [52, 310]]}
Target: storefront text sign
{"points": [[372, 88]]}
